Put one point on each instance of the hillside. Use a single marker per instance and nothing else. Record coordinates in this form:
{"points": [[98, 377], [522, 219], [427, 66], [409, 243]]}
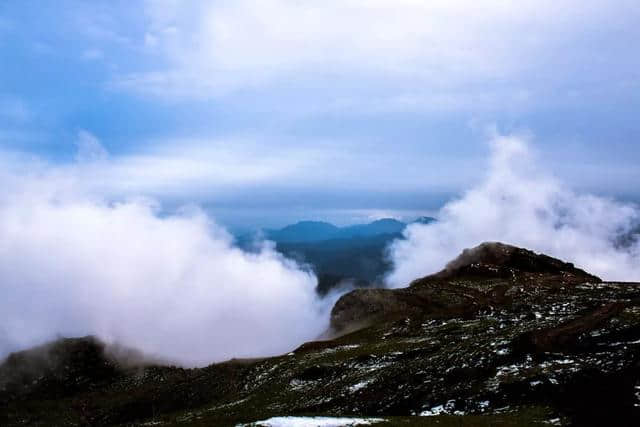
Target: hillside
{"points": [[502, 336]]}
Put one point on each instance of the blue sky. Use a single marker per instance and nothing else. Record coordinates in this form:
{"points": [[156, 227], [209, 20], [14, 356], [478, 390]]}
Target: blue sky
{"points": [[268, 111]]}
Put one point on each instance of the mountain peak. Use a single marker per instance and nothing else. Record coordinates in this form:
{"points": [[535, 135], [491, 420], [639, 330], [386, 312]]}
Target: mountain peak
{"points": [[477, 279], [503, 260]]}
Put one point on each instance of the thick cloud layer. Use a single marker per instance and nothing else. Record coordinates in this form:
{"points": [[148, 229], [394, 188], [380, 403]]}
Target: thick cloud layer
{"points": [[172, 286], [519, 203], [433, 53]]}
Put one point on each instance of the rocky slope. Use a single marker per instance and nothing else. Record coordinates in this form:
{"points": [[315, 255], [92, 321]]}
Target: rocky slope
{"points": [[502, 336]]}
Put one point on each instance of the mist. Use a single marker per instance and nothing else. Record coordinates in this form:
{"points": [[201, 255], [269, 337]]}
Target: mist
{"points": [[173, 286], [520, 203]]}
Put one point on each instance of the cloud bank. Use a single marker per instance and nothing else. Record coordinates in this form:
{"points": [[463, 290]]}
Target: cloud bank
{"points": [[521, 204], [73, 263], [432, 55]]}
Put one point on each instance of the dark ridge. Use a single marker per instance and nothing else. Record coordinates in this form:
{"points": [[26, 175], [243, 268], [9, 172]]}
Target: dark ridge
{"points": [[494, 259], [478, 278], [57, 369], [67, 366]]}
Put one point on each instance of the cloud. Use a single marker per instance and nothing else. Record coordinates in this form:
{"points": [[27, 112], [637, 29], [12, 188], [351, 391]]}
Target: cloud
{"points": [[89, 148], [419, 52], [185, 168], [73, 263], [519, 203], [234, 170]]}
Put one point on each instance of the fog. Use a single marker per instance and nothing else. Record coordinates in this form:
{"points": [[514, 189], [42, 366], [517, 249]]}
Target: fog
{"points": [[174, 287], [518, 202]]}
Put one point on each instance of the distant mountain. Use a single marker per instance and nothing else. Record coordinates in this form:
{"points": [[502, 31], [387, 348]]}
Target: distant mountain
{"points": [[360, 260], [381, 226], [316, 231], [303, 231], [356, 253]]}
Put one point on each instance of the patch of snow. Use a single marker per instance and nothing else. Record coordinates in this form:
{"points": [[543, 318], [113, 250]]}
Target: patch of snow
{"points": [[507, 370], [436, 410], [447, 408], [359, 386], [227, 405], [297, 384], [617, 344], [313, 422], [335, 349]]}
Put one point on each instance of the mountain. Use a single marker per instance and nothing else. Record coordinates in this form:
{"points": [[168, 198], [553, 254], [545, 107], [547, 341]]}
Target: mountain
{"points": [[354, 254], [359, 260], [317, 231], [381, 226], [501, 336], [303, 231]]}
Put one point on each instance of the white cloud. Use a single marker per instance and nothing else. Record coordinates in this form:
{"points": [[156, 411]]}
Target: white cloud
{"points": [[185, 168], [423, 49], [519, 203], [89, 148], [242, 167], [72, 263]]}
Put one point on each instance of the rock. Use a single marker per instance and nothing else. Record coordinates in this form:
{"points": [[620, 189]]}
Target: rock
{"points": [[494, 259]]}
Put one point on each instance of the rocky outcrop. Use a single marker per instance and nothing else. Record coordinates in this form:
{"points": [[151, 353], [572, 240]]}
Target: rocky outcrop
{"points": [[498, 260], [58, 369], [481, 277]]}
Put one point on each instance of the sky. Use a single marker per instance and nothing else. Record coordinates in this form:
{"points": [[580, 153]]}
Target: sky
{"points": [[266, 112]]}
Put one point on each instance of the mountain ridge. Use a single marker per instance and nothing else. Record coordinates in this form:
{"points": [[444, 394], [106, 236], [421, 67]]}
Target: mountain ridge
{"points": [[316, 231], [354, 255]]}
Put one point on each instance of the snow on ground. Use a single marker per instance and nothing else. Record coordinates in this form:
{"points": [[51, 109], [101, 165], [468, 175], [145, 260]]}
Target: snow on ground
{"points": [[314, 422]]}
